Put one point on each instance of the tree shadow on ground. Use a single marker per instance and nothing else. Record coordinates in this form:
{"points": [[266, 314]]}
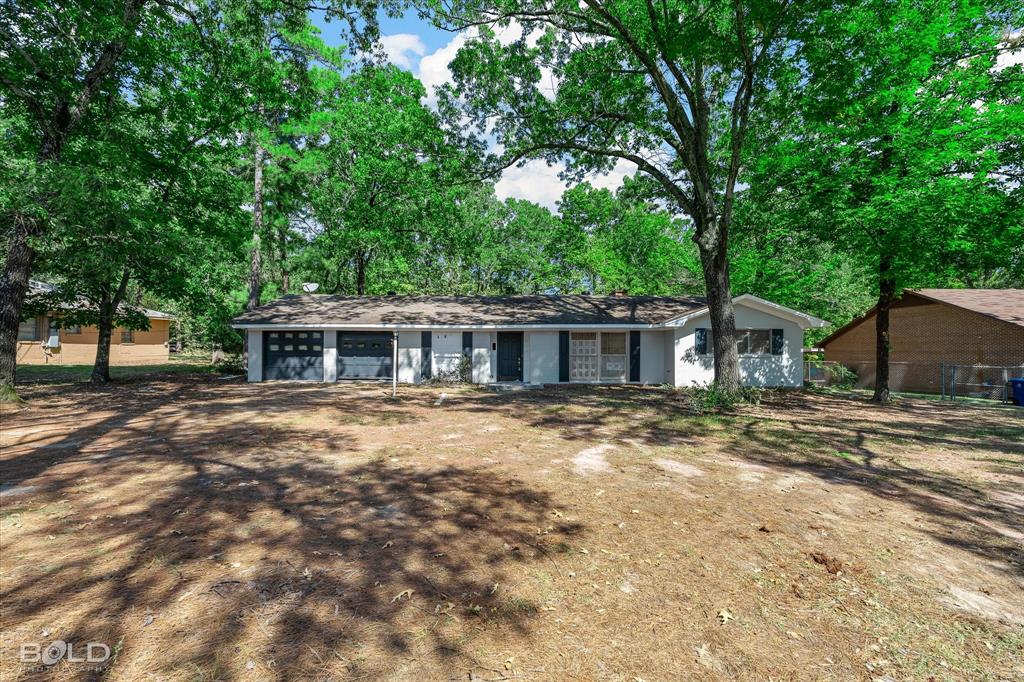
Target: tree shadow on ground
{"points": [[241, 545], [842, 440]]}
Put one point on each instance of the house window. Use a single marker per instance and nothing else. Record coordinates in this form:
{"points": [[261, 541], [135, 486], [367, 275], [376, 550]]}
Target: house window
{"points": [[748, 341], [583, 356], [28, 330], [127, 336], [754, 341], [613, 356], [73, 330]]}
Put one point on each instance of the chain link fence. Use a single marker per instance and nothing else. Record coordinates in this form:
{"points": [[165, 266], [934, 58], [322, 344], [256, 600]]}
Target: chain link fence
{"points": [[978, 381]]}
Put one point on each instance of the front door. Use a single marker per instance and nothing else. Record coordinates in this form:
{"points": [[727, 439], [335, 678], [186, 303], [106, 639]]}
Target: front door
{"points": [[510, 356]]}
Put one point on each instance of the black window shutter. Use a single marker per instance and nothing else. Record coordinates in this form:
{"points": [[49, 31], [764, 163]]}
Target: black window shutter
{"points": [[426, 341], [777, 341], [634, 356], [467, 344], [701, 341], [563, 357]]}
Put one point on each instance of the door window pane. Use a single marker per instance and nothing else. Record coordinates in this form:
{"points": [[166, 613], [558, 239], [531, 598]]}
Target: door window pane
{"points": [[583, 356], [613, 356], [613, 344]]}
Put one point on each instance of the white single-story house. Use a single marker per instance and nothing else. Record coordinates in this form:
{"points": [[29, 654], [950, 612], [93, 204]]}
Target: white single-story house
{"points": [[528, 339]]}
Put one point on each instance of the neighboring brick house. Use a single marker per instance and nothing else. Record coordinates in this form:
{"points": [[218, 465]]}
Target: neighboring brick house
{"points": [[41, 342], [929, 328]]}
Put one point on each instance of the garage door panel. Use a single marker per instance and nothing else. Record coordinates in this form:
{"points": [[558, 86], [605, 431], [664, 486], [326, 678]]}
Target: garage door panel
{"points": [[293, 356], [365, 355]]}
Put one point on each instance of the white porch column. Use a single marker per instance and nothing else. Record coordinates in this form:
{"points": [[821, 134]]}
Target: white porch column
{"points": [[255, 342], [330, 355]]}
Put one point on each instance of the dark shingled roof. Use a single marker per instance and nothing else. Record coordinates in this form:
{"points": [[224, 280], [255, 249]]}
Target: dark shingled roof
{"points": [[469, 310]]}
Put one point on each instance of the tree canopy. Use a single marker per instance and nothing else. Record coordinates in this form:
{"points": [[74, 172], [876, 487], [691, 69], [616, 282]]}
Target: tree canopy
{"points": [[213, 155]]}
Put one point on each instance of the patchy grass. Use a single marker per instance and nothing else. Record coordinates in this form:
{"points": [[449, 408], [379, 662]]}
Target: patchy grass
{"points": [[206, 529], [62, 374]]}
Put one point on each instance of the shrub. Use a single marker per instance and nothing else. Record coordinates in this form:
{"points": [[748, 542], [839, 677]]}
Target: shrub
{"points": [[841, 376], [231, 364], [462, 374], [713, 398]]}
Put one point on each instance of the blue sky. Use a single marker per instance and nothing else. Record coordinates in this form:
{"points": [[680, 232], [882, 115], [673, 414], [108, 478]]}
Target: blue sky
{"points": [[414, 44]]}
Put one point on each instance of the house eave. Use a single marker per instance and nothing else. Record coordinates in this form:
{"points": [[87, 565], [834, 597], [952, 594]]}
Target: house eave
{"points": [[258, 326], [804, 320]]}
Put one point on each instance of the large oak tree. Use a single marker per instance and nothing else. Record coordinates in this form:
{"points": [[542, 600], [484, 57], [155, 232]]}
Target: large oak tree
{"points": [[667, 85]]}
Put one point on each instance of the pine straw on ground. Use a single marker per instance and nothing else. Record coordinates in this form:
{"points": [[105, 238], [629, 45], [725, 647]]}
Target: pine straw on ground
{"points": [[208, 529]]}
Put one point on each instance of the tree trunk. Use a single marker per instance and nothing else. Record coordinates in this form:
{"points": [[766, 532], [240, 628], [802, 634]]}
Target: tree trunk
{"points": [[108, 311], [361, 274], [17, 270], [101, 367], [886, 296], [715, 264], [13, 289], [20, 254], [255, 257], [286, 280]]}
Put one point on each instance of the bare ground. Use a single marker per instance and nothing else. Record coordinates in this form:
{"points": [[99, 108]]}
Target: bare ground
{"points": [[209, 529]]}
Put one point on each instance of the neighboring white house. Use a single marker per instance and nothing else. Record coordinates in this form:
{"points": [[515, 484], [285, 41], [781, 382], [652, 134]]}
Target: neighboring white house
{"points": [[529, 339]]}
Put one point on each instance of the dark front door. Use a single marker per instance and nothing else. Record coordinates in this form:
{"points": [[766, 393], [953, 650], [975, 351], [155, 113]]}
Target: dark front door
{"points": [[365, 355], [510, 356], [294, 355]]}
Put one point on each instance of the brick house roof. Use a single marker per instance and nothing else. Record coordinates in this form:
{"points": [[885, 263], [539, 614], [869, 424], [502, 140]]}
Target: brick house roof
{"points": [[1006, 305], [1003, 304]]}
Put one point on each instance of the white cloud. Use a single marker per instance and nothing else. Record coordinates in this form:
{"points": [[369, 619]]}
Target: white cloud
{"points": [[1010, 57], [434, 71], [402, 49], [538, 182], [535, 181]]}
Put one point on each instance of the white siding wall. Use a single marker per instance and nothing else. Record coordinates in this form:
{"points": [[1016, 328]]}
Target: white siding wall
{"points": [[652, 357], [409, 357], [670, 358], [481, 357], [330, 355], [255, 355], [446, 351], [540, 356], [755, 370]]}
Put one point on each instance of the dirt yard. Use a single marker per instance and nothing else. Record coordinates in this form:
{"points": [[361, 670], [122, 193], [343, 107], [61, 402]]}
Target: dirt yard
{"points": [[206, 529]]}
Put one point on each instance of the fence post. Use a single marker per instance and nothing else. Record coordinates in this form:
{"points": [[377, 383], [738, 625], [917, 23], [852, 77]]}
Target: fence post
{"points": [[942, 378], [952, 384]]}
